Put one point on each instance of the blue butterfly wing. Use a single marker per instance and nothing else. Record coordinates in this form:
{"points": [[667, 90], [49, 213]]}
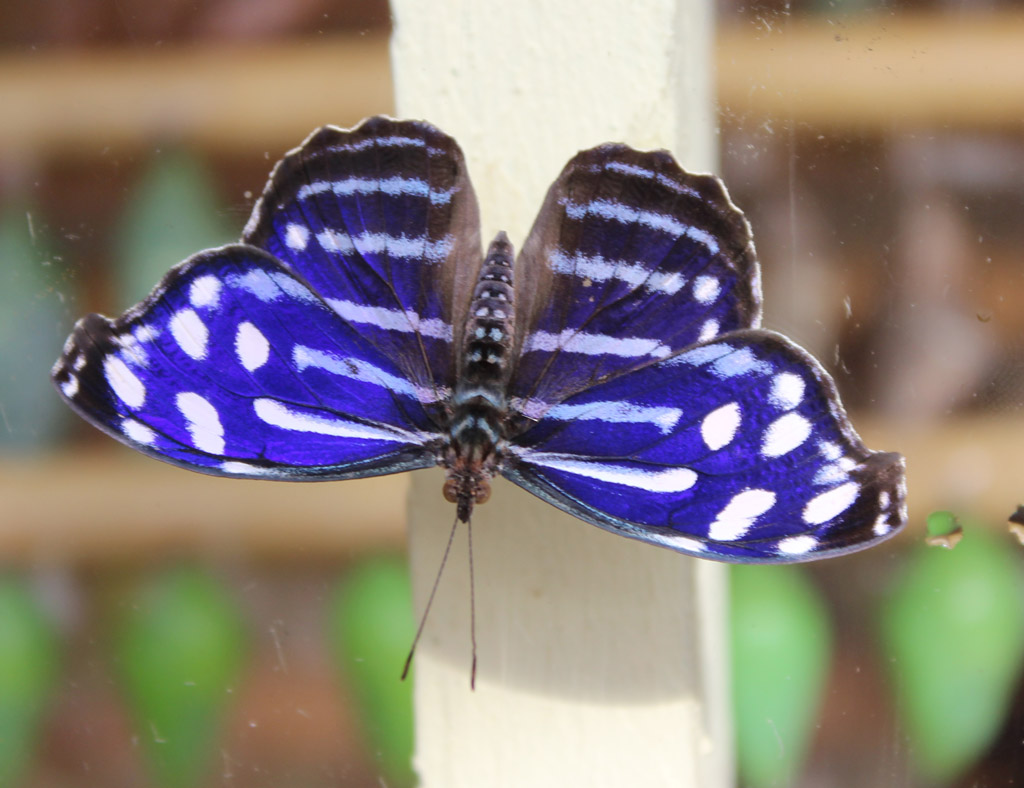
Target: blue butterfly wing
{"points": [[382, 221], [236, 366], [630, 260], [737, 449]]}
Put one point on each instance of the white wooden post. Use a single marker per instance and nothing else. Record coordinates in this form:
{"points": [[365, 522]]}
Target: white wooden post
{"points": [[602, 661]]}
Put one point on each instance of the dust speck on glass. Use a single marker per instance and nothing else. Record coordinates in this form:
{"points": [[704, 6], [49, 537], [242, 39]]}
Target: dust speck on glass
{"points": [[615, 368]]}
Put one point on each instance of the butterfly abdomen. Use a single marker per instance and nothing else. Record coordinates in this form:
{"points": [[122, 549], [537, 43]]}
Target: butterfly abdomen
{"points": [[488, 334], [477, 432]]}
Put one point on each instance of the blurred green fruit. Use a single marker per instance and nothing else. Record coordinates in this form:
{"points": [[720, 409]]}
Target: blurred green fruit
{"points": [[173, 213], [28, 671], [781, 644], [953, 629], [180, 650], [371, 629]]}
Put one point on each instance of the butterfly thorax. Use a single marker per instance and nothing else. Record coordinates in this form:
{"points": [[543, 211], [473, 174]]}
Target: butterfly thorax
{"points": [[477, 429]]}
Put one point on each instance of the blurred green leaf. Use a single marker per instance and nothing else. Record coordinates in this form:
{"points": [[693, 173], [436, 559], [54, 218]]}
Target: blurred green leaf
{"points": [[953, 628], [180, 650], [781, 644], [371, 629], [28, 672], [173, 213]]}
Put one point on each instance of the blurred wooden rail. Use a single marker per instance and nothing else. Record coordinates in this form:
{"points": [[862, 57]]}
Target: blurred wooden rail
{"points": [[872, 73], [114, 505], [879, 72], [224, 97]]}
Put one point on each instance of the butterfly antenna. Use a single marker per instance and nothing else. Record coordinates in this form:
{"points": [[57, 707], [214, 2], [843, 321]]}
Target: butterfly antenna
{"points": [[430, 602], [472, 606]]}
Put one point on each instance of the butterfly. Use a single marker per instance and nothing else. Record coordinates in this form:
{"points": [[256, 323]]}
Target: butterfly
{"points": [[615, 368]]}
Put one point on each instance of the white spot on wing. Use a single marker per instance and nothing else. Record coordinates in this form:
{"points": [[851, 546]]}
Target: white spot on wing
{"points": [[830, 474], [787, 390], [740, 362], [643, 172], [277, 414], [609, 411], [740, 513], [627, 214], [398, 246], [70, 386], [138, 432], [203, 422], [296, 237], [571, 340], [703, 355], [709, 330], [269, 286], [251, 347], [829, 450], [393, 141], [357, 369], [674, 540], [785, 434], [147, 333], [203, 292], [190, 333], [831, 503], [706, 288], [596, 268], [719, 427], [668, 480], [233, 466], [123, 382], [334, 241], [391, 186], [797, 545]]}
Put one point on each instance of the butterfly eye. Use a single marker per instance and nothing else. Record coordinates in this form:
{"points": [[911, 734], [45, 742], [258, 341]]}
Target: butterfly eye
{"points": [[482, 491], [451, 490]]}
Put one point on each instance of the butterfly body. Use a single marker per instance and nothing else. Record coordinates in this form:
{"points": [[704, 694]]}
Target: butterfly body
{"points": [[614, 368], [478, 428]]}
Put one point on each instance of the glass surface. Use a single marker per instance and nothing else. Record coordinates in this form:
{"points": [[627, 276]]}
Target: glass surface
{"points": [[887, 217]]}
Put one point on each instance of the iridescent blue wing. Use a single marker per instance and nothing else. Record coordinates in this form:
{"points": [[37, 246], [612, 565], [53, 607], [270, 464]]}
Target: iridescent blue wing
{"points": [[737, 449], [381, 220], [236, 366], [631, 259]]}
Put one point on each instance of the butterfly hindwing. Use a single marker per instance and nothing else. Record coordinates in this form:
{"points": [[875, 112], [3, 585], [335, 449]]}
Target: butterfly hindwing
{"points": [[736, 449], [382, 221], [235, 366], [630, 260]]}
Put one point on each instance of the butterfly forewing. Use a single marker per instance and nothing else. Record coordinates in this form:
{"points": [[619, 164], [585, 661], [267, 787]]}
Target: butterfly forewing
{"points": [[630, 260], [235, 366], [383, 223], [736, 449]]}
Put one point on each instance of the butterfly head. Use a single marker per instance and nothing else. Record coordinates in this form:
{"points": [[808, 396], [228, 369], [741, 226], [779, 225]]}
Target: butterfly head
{"points": [[465, 492], [468, 484]]}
